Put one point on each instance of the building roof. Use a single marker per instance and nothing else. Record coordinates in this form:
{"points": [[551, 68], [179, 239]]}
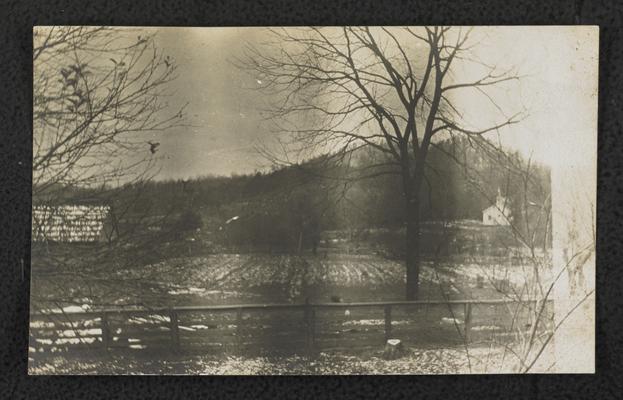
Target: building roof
{"points": [[501, 204], [492, 207], [68, 223]]}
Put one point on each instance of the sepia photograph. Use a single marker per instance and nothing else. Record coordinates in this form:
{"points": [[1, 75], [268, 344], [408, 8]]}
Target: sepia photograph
{"points": [[344, 200]]}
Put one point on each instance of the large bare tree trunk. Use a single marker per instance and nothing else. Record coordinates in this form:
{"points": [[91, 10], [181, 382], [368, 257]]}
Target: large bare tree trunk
{"points": [[413, 249]]}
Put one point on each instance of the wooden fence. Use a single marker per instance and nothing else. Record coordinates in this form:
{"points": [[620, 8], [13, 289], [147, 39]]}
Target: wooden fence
{"points": [[287, 327]]}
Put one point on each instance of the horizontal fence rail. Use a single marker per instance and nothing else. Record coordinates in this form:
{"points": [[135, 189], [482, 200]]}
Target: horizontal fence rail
{"points": [[307, 326]]}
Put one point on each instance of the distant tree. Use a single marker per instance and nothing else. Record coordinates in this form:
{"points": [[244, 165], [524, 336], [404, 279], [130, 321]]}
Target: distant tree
{"points": [[188, 221]]}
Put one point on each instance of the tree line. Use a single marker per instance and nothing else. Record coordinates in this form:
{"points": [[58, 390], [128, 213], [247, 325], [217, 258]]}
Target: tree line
{"points": [[289, 208]]}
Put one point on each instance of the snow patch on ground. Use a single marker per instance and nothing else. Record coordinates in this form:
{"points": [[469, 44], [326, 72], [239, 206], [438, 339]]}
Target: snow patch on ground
{"points": [[453, 360], [486, 328], [190, 290], [373, 322], [80, 332], [451, 321]]}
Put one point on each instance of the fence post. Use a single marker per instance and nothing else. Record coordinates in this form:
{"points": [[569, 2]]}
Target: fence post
{"points": [[310, 317], [312, 327], [239, 328], [388, 322], [468, 320], [105, 331], [174, 328]]}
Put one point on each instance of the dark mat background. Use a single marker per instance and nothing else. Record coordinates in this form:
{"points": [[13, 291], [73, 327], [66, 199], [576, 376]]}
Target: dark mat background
{"points": [[17, 19]]}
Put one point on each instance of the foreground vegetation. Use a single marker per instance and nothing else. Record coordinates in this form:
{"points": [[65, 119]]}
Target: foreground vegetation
{"points": [[448, 360]]}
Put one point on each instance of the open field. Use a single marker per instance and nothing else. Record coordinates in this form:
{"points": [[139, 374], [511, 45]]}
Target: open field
{"points": [[255, 342], [285, 278], [244, 340]]}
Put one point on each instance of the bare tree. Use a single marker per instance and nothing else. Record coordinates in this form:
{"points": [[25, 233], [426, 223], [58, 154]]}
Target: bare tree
{"points": [[388, 89], [98, 92], [535, 323]]}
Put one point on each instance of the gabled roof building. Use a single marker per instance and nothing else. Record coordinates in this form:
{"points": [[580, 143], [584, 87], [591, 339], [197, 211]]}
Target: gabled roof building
{"points": [[71, 223]]}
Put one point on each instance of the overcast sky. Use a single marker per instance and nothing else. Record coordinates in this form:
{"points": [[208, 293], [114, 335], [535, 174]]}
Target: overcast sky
{"points": [[558, 90]]}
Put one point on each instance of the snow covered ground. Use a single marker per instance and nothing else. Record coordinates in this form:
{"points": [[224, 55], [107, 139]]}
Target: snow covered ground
{"points": [[456, 360]]}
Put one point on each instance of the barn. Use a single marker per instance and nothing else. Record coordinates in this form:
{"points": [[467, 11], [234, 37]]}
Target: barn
{"points": [[72, 223]]}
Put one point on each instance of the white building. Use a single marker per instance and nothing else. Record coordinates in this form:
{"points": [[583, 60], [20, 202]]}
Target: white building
{"points": [[498, 213]]}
